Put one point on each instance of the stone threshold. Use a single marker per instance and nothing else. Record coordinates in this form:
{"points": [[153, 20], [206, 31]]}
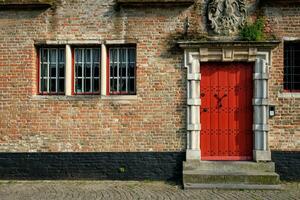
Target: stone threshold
{"points": [[190, 186]]}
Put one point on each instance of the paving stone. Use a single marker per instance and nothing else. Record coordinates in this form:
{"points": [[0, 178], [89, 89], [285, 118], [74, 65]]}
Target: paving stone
{"points": [[123, 190]]}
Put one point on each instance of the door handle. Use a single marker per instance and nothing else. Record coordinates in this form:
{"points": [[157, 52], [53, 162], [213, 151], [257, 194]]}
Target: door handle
{"points": [[205, 110]]}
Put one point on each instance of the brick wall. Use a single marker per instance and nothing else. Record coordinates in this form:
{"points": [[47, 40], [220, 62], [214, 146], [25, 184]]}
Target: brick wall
{"points": [[284, 133], [156, 119]]}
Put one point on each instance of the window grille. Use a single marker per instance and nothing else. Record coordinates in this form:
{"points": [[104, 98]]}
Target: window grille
{"points": [[292, 66], [87, 70], [122, 66], [52, 70]]}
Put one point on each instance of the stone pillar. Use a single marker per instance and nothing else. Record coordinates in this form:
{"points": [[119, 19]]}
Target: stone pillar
{"points": [[193, 108], [103, 69], [261, 151], [68, 72]]}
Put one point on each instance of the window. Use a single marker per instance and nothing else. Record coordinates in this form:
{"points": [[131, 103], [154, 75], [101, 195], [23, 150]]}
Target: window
{"points": [[122, 64], [51, 70], [292, 66], [87, 70]]}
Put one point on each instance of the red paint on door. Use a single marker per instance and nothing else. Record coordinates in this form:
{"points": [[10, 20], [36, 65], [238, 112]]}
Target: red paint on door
{"points": [[226, 111]]}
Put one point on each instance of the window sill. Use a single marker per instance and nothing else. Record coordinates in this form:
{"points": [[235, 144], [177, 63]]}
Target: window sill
{"points": [[115, 98], [120, 97], [289, 95], [64, 97]]}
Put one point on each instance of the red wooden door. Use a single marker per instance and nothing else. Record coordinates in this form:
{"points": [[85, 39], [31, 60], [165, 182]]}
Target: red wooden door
{"points": [[226, 111]]}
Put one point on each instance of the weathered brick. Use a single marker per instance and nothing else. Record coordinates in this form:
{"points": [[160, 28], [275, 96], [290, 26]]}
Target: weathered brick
{"points": [[156, 120]]}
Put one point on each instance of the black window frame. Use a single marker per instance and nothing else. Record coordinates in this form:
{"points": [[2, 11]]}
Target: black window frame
{"points": [[291, 82]]}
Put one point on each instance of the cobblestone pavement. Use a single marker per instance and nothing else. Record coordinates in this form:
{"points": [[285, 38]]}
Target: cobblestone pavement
{"points": [[114, 190]]}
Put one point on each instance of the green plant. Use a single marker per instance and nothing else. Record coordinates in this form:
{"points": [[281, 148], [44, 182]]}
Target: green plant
{"points": [[253, 32], [122, 169]]}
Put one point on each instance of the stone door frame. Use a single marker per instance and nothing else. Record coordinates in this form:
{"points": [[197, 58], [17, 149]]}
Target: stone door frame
{"points": [[193, 56]]}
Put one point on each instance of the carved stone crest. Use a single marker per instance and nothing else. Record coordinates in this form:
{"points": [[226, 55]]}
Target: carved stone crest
{"points": [[226, 16]]}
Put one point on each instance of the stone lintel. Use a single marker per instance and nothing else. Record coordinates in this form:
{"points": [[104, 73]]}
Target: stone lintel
{"points": [[124, 41], [24, 4], [65, 42], [155, 2], [225, 44]]}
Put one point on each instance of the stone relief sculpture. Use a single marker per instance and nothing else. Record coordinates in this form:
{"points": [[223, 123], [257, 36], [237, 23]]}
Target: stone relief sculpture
{"points": [[226, 16]]}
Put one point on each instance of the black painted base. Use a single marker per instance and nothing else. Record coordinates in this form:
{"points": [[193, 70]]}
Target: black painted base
{"points": [[116, 166], [287, 164], [93, 166]]}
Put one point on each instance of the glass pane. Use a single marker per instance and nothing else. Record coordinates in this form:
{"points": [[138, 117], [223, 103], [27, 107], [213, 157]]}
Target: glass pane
{"points": [[61, 55], [87, 55], [297, 82], [113, 70], [44, 56], [96, 85], [44, 85], [286, 86], [52, 56], [96, 70], [122, 85], [78, 84], [286, 80], [87, 85], [131, 86], [297, 69], [287, 70], [53, 70], [78, 55], [122, 56], [297, 59], [297, 86], [44, 70], [96, 55], [122, 70], [131, 70], [87, 70], [61, 70], [113, 85], [78, 70], [131, 55], [53, 85], [61, 85], [113, 55]]}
